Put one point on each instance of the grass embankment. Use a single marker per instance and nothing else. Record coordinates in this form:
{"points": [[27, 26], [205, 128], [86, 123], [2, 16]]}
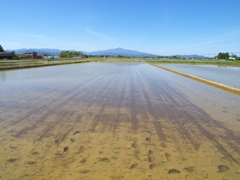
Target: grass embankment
{"points": [[214, 84], [16, 64], [192, 61]]}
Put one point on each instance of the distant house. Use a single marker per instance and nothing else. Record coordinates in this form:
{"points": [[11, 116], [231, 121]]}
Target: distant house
{"points": [[232, 59], [48, 57], [56, 57], [39, 56], [8, 56], [51, 57], [30, 55]]}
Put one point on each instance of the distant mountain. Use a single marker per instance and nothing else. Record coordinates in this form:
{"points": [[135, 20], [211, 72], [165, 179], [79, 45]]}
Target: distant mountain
{"points": [[112, 52], [120, 51], [52, 52]]}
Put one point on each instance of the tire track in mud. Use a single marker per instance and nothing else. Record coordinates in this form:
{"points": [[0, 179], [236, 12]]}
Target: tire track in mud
{"points": [[107, 98], [201, 117], [90, 99], [101, 117], [14, 104], [133, 102], [42, 108], [115, 101], [75, 122], [118, 102], [36, 110], [26, 104], [44, 116], [74, 94], [63, 115], [194, 120], [170, 107], [152, 110], [109, 114], [122, 80], [102, 101], [164, 108], [228, 134], [208, 123], [116, 120]]}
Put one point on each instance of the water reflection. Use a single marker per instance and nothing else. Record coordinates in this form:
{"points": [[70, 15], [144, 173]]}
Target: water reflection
{"points": [[116, 114], [223, 74], [2, 75]]}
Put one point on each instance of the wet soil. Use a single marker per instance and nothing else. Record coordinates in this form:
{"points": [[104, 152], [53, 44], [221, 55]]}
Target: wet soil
{"points": [[116, 121]]}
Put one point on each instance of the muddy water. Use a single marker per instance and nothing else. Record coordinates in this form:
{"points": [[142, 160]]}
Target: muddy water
{"points": [[222, 74], [115, 121]]}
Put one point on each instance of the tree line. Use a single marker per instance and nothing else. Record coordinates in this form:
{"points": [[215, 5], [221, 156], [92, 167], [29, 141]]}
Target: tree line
{"points": [[225, 55], [71, 54]]}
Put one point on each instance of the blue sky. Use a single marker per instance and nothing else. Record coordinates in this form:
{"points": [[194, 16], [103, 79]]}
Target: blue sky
{"points": [[162, 27]]}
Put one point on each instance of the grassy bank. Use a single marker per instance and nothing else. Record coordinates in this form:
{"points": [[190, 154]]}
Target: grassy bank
{"points": [[16, 64]]}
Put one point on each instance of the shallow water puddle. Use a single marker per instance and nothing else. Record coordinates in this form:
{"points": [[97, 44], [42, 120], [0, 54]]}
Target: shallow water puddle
{"points": [[115, 121]]}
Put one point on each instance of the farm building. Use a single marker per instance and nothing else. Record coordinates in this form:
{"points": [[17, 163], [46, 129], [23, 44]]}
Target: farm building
{"points": [[8, 55], [51, 57], [233, 58], [30, 55], [39, 56]]}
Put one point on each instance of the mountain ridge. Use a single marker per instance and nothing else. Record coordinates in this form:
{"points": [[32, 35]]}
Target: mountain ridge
{"points": [[111, 52], [121, 52]]}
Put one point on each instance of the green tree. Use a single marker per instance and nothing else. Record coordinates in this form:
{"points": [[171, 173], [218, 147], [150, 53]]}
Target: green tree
{"points": [[227, 55], [219, 56], [223, 55], [1, 49], [71, 54]]}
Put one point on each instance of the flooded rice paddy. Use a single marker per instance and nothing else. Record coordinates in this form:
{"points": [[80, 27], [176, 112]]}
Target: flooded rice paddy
{"points": [[228, 75], [115, 121]]}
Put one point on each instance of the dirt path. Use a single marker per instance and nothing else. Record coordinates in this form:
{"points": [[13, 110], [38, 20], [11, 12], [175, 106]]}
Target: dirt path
{"points": [[116, 121]]}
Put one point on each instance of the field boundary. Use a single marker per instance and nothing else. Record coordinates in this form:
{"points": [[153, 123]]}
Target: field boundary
{"points": [[214, 84], [39, 65]]}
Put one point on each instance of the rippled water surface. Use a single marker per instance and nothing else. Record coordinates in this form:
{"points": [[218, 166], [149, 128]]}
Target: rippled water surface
{"points": [[115, 121], [222, 74]]}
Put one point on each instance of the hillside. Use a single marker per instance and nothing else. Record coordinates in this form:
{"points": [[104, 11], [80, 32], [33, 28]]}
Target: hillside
{"points": [[111, 52], [122, 52]]}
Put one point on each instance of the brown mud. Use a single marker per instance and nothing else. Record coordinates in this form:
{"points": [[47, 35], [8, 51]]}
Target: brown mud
{"points": [[128, 121]]}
